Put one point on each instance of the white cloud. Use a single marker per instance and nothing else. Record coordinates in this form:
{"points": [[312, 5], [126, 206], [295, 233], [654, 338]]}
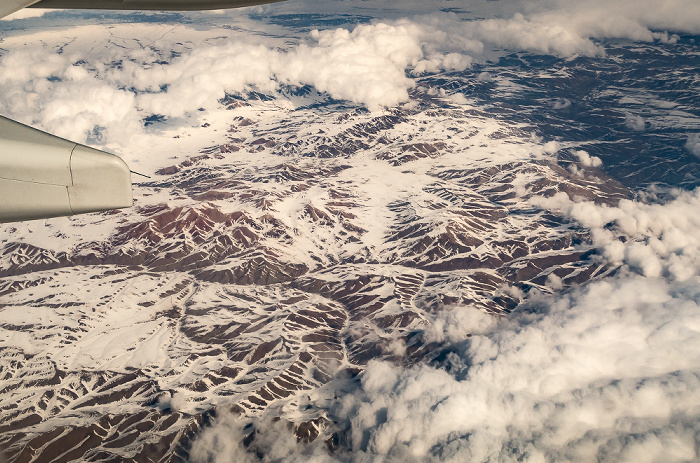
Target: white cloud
{"points": [[591, 377], [173, 402], [484, 77], [635, 122], [521, 33], [370, 65], [223, 443], [551, 147], [561, 103], [455, 324], [48, 90], [366, 66], [693, 144], [588, 160], [640, 20], [563, 28]]}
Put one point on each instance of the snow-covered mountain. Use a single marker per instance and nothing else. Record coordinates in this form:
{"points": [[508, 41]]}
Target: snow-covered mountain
{"points": [[287, 239], [311, 241]]}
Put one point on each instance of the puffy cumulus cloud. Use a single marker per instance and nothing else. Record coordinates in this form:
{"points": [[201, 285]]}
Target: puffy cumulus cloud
{"points": [[455, 324], [78, 99], [652, 239], [48, 90], [372, 64], [580, 383], [588, 160], [169, 401], [484, 77], [635, 122], [550, 148], [549, 37], [224, 443], [693, 144], [563, 28], [641, 20], [603, 373], [199, 79], [609, 371], [366, 66]]}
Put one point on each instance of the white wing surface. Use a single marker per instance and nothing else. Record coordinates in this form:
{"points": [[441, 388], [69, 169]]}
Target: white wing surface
{"points": [[166, 5], [8, 7], [44, 176]]}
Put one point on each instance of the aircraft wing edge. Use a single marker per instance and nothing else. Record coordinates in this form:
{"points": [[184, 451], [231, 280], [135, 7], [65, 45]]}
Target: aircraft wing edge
{"points": [[7, 7], [44, 176], [162, 5]]}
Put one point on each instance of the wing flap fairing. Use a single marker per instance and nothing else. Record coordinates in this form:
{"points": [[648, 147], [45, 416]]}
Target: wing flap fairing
{"points": [[43, 176], [7, 7]]}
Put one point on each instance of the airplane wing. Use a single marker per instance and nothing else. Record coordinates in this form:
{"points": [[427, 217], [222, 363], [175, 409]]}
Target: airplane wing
{"points": [[43, 176], [165, 5], [8, 7]]}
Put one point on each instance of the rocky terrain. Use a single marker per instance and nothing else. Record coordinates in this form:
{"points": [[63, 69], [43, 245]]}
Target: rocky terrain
{"points": [[288, 239], [308, 243]]}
